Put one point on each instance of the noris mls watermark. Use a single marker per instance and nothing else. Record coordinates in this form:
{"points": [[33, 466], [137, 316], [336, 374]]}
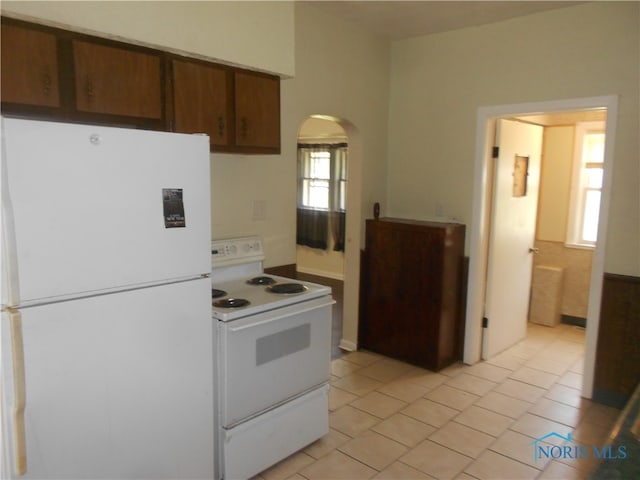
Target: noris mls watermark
{"points": [[572, 450]]}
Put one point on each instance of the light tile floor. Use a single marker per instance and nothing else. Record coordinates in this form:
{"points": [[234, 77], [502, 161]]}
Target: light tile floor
{"points": [[391, 420]]}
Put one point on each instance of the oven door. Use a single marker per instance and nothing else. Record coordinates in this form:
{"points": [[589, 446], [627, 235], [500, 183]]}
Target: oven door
{"points": [[271, 357]]}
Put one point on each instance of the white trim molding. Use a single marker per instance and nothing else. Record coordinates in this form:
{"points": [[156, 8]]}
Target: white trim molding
{"points": [[478, 248]]}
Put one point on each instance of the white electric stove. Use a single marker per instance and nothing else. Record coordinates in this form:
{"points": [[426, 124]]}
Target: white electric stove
{"points": [[274, 354]]}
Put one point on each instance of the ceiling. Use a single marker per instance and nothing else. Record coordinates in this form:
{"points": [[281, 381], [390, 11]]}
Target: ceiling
{"points": [[403, 19]]}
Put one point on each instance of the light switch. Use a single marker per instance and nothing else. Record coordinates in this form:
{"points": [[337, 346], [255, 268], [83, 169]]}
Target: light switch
{"points": [[259, 210]]}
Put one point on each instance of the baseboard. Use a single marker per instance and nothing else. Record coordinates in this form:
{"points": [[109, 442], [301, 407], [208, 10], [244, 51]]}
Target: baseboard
{"points": [[577, 321], [347, 345], [320, 273], [611, 399], [282, 270]]}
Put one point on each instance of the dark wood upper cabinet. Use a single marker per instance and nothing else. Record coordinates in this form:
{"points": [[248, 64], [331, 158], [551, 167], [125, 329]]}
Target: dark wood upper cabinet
{"points": [[202, 100], [239, 110], [58, 74], [117, 81], [29, 73], [257, 109]]}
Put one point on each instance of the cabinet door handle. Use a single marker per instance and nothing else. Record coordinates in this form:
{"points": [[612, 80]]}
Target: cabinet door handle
{"points": [[46, 81], [20, 397], [220, 126], [89, 89], [244, 126]]}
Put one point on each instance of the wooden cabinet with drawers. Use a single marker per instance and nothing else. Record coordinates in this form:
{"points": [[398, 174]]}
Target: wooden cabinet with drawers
{"points": [[412, 291]]}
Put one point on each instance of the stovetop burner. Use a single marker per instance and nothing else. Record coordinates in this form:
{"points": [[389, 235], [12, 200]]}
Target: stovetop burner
{"points": [[231, 303], [216, 293], [262, 280], [287, 288]]}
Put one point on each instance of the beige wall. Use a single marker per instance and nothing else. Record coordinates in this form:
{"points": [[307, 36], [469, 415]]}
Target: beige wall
{"points": [[553, 213], [439, 81], [555, 183], [340, 71], [256, 34], [344, 73], [410, 120], [332, 59]]}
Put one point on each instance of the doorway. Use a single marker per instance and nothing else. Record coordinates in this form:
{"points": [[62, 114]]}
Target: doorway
{"points": [[481, 232], [338, 270], [319, 139]]}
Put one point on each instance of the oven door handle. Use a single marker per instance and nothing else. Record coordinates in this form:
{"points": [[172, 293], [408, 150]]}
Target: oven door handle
{"points": [[327, 302]]}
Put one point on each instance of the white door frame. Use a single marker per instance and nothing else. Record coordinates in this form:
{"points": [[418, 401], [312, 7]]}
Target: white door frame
{"points": [[478, 247]]}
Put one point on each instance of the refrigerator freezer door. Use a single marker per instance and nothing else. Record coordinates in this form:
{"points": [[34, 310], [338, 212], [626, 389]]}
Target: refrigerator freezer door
{"points": [[117, 386], [92, 208]]}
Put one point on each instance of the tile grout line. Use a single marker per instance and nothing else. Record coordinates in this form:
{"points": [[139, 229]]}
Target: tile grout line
{"points": [[537, 347]]}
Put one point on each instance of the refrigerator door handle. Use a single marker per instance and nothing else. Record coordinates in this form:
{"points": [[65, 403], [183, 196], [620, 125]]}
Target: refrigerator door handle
{"points": [[9, 246], [19, 389]]}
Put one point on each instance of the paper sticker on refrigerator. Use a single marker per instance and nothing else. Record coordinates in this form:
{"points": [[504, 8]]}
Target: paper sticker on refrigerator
{"points": [[173, 208]]}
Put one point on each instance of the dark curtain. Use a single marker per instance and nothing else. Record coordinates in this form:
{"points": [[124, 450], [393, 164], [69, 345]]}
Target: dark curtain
{"points": [[338, 222], [315, 225], [313, 228]]}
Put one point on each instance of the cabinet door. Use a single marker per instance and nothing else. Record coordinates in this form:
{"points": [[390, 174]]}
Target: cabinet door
{"points": [[201, 100], [413, 301], [117, 81], [29, 72], [257, 110], [403, 304]]}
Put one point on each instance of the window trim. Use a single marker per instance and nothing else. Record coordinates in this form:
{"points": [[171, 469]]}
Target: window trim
{"points": [[578, 192]]}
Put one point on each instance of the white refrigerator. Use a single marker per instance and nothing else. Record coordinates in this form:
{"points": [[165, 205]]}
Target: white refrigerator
{"points": [[107, 340]]}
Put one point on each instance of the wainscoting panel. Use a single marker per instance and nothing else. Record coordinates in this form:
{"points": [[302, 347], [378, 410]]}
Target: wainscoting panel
{"points": [[617, 371]]}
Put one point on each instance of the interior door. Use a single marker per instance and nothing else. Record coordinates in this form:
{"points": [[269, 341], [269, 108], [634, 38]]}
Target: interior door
{"points": [[513, 223]]}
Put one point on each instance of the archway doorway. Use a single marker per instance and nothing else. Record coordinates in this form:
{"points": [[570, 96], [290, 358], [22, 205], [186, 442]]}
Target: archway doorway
{"points": [[320, 141], [346, 334]]}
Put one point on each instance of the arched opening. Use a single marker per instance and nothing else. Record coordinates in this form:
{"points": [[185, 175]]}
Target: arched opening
{"points": [[338, 265], [322, 186]]}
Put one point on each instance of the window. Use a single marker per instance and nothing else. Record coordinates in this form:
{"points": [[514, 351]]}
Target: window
{"points": [[316, 175], [322, 180], [586, 184]]}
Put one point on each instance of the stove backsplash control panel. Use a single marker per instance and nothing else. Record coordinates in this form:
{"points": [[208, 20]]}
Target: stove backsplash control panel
{"points": [[236, 250]]}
